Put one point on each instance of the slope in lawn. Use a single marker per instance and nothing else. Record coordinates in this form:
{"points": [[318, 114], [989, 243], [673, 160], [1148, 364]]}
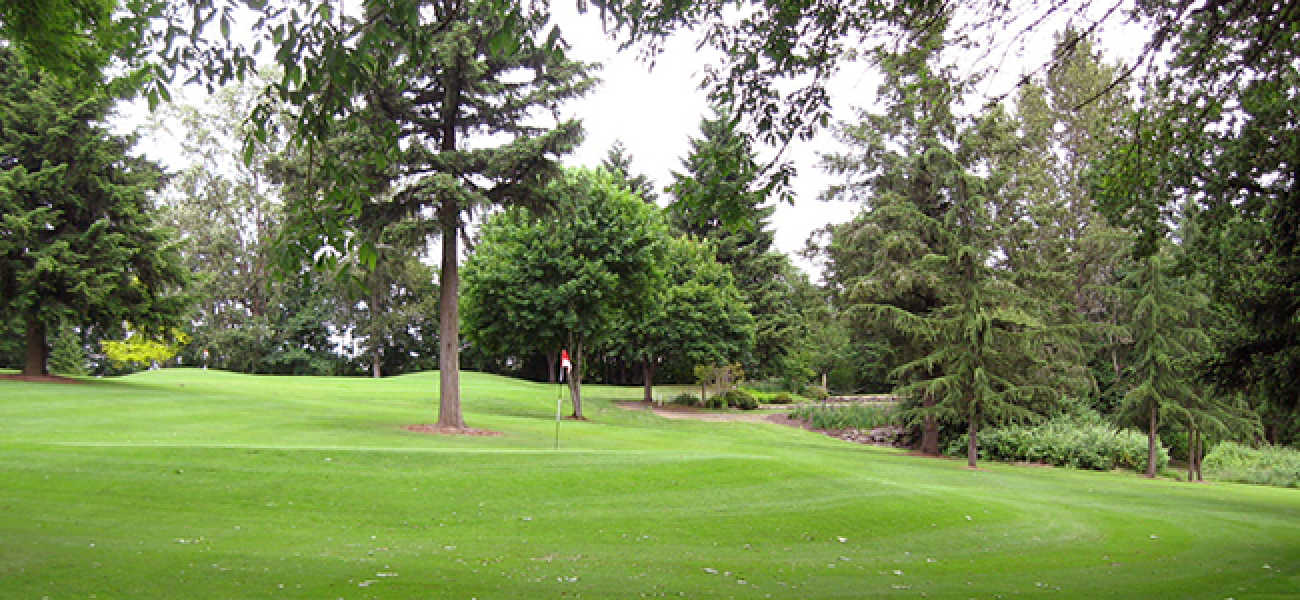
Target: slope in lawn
{"points": [[209, 484]]}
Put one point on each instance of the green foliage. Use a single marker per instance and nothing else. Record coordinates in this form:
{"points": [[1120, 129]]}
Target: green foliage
{"points": [[538, 284], [686, 399], [722, 378], [1269, 465], [141, 350], [1213, 153], [618, 162], [782, 398], [80, 244], [230, 213], [1067, 442], [67, 354], [721, 198], [1164, 324], [846, 416], [422, 80], [696, 315], [740, 399]]}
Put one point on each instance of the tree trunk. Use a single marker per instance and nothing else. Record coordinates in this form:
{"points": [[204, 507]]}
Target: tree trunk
{"points": [[972, 441], [575, 380], [38, 353], [377, 374], [648, 369], [449, 282], [550, 366], [449, 323], [929, 430], [1152, 436], [1196, 452]]}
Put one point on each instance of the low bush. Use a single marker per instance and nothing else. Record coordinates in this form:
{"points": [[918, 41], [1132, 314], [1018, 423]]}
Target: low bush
{"points": [[1066, 442], [845, 416], [740, 399], [686, 399], [1270, 465], [782, 398]]}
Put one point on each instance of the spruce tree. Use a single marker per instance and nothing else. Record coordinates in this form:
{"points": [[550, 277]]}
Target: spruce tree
{"points": [[78, 242], [723, 196], [619, 162], [917, 264], [1166, 337]]}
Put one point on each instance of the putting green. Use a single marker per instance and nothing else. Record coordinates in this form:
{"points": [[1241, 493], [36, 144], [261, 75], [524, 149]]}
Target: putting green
{"points": [[183, 483]]}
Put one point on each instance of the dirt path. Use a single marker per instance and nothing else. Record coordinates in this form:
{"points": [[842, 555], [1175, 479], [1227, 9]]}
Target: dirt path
{"points": [[695, 414]]}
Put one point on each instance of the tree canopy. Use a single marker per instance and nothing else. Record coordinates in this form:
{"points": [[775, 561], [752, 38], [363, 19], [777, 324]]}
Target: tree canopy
{"points": [[79, 244], [542, 284]]}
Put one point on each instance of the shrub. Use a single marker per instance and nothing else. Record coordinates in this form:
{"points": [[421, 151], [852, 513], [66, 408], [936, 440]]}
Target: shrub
{"points": [[845, 416], [740, 399], [1074, 442], [716, 401], [816, 392], [1270, 465], [783, 398], [686, 399]]}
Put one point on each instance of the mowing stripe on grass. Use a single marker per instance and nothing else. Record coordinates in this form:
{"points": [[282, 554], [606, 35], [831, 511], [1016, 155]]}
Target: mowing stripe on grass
{"points": [[400, 450]]}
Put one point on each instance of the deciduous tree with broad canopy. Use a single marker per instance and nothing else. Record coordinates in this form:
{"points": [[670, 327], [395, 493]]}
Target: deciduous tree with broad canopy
{"points": [[542, 283]]}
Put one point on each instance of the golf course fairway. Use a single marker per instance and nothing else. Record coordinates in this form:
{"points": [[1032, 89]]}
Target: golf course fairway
{"points": [[184, 483]]}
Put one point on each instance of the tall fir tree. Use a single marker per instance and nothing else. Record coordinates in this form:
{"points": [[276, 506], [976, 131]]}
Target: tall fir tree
{"points": [[1164, 326], [459, 90], [917, 265], [79, 242], [619, 162], [723, 196]]}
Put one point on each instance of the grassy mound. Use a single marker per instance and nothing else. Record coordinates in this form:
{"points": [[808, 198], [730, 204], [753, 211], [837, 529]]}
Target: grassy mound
{"points": [[182, 483]]}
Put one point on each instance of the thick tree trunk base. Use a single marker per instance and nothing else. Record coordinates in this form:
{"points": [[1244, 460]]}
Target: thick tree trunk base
{"points": [[38, 354], [930, 437]]}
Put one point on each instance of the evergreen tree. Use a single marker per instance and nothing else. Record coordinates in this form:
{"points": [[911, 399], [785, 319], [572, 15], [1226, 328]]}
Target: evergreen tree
{"points": [[1056, 243], [902, 171], [78, 243], [619, 162], [1166, 336], [1217, 138], [722, 197], [917, 264], [455, 93]]}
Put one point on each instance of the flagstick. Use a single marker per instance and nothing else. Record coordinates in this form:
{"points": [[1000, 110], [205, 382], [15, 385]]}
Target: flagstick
{"points": [[559, 404]]}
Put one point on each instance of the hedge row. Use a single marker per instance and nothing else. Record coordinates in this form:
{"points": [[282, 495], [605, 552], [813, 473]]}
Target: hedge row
{"points": [[1066, 442], [1270, 465]]}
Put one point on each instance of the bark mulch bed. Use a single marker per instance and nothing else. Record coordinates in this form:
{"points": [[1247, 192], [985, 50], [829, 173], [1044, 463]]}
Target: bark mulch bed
{"points": [[438, 430]]}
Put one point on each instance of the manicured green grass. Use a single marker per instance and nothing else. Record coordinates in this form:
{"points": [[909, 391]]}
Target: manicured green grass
{"points": [[196, 484]]}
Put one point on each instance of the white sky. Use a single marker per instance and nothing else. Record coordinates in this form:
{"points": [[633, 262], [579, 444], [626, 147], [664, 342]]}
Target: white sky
{"points": [[656, 112]]}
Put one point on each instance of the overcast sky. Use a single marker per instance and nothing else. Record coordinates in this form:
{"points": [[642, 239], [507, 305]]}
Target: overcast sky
{"points": [[655, 112]]}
